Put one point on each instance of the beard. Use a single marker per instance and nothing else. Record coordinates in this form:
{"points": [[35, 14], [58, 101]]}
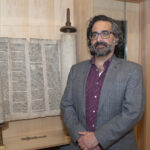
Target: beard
{"points": [[101, 48]]}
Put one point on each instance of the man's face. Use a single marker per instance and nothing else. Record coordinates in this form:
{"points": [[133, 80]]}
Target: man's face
{"points": [[102, 44]]}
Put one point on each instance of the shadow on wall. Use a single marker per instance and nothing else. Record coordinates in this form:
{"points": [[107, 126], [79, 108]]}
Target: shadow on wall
{"points": [[121, 51], [66, 147]]}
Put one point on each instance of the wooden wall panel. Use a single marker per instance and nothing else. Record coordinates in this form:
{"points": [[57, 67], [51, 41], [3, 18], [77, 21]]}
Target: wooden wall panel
{"points": [[111, 8], [83, 11], [143, 128], [146, 8], [133, 49], [147, 114]]}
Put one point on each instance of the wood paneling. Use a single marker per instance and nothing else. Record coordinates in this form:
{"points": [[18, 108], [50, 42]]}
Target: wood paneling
{"points": [[147, 112], [83, 10], [143, 128]]}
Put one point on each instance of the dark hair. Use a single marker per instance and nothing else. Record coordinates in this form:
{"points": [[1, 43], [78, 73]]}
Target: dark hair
{"points": [[115, 29]]}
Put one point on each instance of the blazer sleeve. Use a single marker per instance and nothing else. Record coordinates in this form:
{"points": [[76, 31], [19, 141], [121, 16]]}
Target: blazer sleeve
{"points": [[69, 115], [132, 111]]}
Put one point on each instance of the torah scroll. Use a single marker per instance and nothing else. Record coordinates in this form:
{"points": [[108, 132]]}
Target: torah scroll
{"points": [[33, 73]]}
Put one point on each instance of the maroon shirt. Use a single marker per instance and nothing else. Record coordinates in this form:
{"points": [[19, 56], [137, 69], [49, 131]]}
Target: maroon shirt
{"points": [[93, 90]]}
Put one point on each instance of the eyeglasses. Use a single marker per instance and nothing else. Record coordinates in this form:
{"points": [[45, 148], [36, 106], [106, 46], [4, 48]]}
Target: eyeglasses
{"points": [[104, 35]]}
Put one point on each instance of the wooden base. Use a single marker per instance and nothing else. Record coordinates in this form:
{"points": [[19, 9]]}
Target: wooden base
{"points": [[35, 134], [37, 141], [2, 147]]}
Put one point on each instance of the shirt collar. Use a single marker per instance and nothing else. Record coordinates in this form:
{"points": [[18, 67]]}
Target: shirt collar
{"points": [[106, 63]]}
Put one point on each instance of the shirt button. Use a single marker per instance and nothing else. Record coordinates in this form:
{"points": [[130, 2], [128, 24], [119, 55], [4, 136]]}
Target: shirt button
{"points": [[93, 125], [96, 69], [93, 111], [97, 83], [95, 96]]}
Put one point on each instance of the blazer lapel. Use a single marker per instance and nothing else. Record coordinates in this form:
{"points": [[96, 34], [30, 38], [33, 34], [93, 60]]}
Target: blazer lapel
{"points": [[108, 81], [83, 81]]}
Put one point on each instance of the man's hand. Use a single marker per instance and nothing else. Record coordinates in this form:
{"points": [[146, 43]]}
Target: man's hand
{"points": [[88, 141], [96, 148]]}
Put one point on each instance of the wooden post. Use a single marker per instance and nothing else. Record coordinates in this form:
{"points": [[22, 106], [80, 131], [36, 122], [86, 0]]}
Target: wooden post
{"points": [[2, 147]]}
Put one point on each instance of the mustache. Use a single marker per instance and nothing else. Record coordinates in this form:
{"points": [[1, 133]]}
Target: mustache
{"points": [[101, 44], [106, 49]]}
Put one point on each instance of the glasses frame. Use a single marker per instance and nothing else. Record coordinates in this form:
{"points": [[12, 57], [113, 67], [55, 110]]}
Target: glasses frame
{"points": [[101, 34]]}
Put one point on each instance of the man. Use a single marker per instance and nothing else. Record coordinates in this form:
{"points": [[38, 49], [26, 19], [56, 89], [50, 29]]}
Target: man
{"points": [[104, 97]]}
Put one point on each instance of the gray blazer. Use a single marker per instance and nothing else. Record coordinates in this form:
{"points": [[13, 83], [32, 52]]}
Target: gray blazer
{"points": [[121, 104]]}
